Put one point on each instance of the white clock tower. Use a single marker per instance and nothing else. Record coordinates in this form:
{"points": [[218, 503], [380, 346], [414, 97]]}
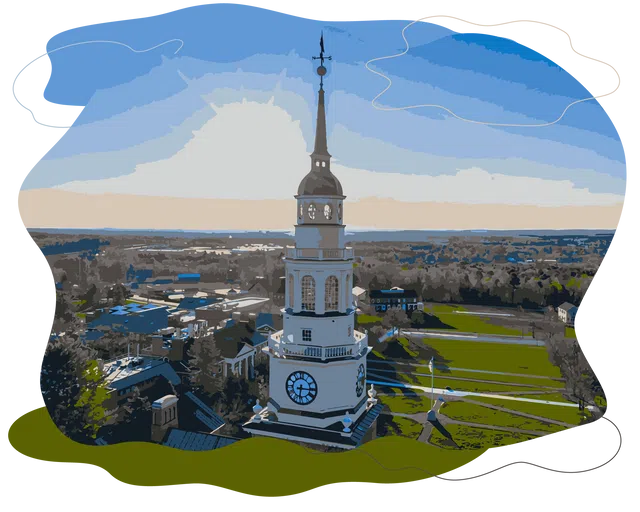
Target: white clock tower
{"points": [[318, 362]]}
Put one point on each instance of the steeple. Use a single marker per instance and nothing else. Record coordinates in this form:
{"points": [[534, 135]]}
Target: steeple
{"points": [[320, 148], [320, 180]]}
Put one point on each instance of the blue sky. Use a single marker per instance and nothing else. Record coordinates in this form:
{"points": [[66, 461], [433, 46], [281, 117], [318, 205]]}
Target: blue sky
{"points": [[145, 111]]}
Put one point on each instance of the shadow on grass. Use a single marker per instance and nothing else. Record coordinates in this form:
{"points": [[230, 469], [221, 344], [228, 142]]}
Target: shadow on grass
{"points": [[445, 433]]}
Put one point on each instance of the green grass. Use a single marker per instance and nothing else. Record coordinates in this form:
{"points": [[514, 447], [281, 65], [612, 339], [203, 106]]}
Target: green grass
{"points": [[473, 413], [507, 379], [384, 460], [569, 415], [369, 319], [501, 357], [570, 332], [471, 438], [404, 427], [470, 323], [405, 404], [465, 385]]}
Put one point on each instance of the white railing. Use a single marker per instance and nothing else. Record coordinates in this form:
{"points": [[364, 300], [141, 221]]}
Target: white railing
{"points": [[320, 254], [280, 348]]}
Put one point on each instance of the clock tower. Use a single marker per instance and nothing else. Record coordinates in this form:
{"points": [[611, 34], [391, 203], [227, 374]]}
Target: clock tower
{"points": [[318, 362]]}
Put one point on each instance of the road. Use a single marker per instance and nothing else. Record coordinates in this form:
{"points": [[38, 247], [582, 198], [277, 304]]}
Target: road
{"points": [[445, 393], [471, 370], [470, 336]]}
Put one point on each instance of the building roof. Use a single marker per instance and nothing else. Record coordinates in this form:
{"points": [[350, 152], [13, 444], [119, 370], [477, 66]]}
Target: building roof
{"points": [[232, 339], [357, 291], [196, 441], [129, 371], [269, 320], [165, 401], [331, 435], [392, 294], [320, 183], [567, 306]]}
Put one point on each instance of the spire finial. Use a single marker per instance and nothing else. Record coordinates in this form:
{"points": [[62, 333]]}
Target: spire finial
{"points": [[321, 69]]}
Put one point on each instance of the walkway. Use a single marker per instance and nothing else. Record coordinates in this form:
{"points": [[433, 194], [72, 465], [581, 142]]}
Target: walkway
{"points": [[467, 379], [471, 370]]}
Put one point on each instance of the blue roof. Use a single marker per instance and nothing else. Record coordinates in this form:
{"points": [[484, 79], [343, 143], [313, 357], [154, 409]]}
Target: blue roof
{"points": [[264, 319], [188, 276], [196, 441], [196, 302]]}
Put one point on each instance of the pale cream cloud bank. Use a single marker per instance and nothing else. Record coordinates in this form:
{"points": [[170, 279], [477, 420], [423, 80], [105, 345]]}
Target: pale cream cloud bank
{"points": [[256, 151]]}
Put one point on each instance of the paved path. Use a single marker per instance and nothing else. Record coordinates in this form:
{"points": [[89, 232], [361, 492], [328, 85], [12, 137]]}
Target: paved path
{"points": [[518, 413], [428, 425], [444, 392], [444, 420], [467, 379], [470, 336], [471, 370]]}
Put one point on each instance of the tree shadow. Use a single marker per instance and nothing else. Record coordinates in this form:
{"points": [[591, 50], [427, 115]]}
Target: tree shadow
{"points": [[449, 441]]}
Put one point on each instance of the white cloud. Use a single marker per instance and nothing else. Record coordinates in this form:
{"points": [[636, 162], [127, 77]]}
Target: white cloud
{"points": [[252, 150]]}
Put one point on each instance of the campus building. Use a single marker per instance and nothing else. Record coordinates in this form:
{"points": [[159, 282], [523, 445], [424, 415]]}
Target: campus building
{"points": [[383, 300]]}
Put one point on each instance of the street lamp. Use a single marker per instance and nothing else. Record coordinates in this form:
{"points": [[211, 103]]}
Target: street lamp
{"points": [[433, 403]]}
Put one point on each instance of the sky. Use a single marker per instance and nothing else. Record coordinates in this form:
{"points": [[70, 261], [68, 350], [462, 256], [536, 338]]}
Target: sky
{"points": [[231, 117]]}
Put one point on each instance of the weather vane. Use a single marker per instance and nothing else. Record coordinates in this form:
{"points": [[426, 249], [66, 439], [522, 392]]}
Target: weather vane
{"points": [[321, 69]]}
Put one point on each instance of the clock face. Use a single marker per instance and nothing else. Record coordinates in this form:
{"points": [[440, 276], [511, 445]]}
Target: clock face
{"points": [[360, 380], [301, 388]]}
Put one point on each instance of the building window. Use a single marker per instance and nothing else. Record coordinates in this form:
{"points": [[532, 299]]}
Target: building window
{"points": [[312, 211], [317, 163], [306, 334], [349, 331], [327, 212], [348, 298], [331, 293], [324, 164], [291, 290], [308, 293], [301, 211], [340, 212]]}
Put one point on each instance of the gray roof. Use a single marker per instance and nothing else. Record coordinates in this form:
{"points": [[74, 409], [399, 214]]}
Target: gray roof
{"points": [[320, 183], [196, 441], [567, 306]]}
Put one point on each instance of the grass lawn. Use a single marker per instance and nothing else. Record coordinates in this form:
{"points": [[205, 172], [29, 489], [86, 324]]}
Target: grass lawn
{"points": [[404, 427], [369, 319], [533, 381], [464, 411], [555, 412], [403, 403], [471, 438], [570, 332], [470, 323], [384, 460], [501, 357]]}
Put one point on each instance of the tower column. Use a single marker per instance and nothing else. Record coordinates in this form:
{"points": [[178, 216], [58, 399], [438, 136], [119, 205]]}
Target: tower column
{"points": [[320, 278]]}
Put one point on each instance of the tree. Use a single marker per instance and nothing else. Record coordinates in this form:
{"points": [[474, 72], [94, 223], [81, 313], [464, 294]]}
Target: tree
{"points": [[581, 383], [417, 317], [395, 318], [204, 358], [92, 399], [135, 424]]}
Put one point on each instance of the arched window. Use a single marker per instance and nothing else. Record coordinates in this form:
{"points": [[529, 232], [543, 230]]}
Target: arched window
{"points": [[331, 293], [301, 211], [340, 212], [308, 293], [312, 211], [327, 212], [348, 299], [291, 290]]}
